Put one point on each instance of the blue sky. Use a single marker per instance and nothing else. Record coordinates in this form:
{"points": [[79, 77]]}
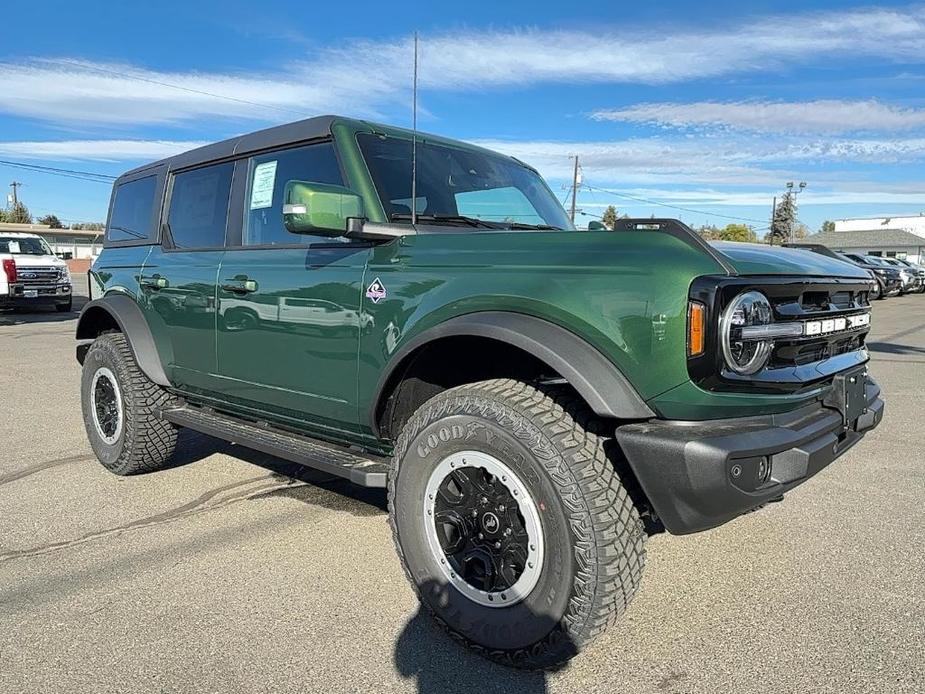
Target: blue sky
{"points": [[710, 107]]}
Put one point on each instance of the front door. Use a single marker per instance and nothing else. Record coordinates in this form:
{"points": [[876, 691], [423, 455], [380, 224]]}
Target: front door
{"points": [[289, 314]]}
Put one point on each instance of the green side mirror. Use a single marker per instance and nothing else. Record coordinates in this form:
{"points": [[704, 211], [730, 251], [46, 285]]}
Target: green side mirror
{"points": [[596, 226], [318, 207]]}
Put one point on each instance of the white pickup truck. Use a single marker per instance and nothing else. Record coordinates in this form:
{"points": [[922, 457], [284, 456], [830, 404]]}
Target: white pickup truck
{"points": [[31, 275]]}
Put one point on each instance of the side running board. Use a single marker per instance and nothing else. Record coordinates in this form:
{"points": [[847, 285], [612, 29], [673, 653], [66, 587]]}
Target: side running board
{"points": [[364, 470]]}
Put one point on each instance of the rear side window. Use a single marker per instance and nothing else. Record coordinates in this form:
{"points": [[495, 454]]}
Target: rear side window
{"points": [[199, 206], [266, 181], [132, 217]]}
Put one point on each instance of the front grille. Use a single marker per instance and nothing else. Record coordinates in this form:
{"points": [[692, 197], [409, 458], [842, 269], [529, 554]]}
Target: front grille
{"points": [[819, 304], [800, 354], [828, 344], [35, 277]]}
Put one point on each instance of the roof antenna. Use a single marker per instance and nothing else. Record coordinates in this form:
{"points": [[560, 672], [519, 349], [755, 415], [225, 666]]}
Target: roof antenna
{"points": [[414, 137]]}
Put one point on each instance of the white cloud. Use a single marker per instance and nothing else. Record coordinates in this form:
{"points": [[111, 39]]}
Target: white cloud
{"points": [[818, 117], [720, 160], [759, 198], [370, 75], [96, 150]]}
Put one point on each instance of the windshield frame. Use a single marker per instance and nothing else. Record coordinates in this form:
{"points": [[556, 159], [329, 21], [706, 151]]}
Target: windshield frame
{"points": [[453, 218]]}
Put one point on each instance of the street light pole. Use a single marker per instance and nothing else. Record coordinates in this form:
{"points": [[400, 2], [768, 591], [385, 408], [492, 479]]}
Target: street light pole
{"points": [[791, 195]]}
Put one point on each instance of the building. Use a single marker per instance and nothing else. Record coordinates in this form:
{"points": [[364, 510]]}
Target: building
{"points": [[891, 243], [914, 224], [80, 243]]}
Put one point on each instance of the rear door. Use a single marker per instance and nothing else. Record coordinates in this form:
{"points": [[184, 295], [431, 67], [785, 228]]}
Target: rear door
{"points": [[178, 283], [289, 313]]}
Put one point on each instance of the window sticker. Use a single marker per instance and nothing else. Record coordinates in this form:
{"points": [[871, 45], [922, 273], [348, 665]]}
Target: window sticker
{"points": [[262, 185]]}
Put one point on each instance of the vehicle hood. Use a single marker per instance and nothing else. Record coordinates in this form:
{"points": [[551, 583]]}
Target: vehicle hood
{"points": [[38, 261], [756, 259]]}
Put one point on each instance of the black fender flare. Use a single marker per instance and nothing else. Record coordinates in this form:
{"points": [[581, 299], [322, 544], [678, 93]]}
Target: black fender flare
{"points": [[598, 380], [131, 321]]}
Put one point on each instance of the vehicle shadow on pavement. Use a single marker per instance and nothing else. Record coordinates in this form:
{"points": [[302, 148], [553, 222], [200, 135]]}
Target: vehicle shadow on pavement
{"points": [[891, 348], [423, 652], [312, 486]]}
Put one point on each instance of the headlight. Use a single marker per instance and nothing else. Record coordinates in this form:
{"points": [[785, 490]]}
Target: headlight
{"points": [[746, 354]]}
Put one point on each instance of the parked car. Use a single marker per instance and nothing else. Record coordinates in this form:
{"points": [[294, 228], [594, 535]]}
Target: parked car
{"points": [[536, 400], [33, 276], [888, 279], [907, 278], [917, 272]]}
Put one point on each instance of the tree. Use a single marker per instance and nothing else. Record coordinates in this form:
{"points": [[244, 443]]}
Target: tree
{"points": [[710, 233], [800, 231], [738, 232], [609, 218], [827, 226], [52, 221], [17, 214], [89, 226], [785, 215]]}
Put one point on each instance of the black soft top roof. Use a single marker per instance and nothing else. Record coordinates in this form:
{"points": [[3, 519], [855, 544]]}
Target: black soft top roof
{"points": [[308, 129]]}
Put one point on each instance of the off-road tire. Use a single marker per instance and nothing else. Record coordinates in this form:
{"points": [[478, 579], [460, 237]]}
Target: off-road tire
{"points": [[146, 442], [594, 537]]}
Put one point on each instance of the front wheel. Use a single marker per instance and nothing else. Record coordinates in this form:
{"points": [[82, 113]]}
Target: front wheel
{"points": [[511, 522]]}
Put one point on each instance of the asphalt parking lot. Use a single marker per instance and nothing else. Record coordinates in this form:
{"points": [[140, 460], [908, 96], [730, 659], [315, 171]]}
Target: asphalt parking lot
{"points": [[225, 574]]}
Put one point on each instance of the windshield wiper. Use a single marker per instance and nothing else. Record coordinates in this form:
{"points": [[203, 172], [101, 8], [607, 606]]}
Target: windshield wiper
{"points": [[445, 219], [540, 227]]}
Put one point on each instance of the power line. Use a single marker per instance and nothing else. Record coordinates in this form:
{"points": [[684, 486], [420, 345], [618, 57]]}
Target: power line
{"points": [[67, 173], [677, 207], [139, 78]]}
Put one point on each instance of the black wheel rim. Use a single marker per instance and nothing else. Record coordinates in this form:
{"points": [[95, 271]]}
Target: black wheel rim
{"points": [[483, 528], [480, 529], [106, 404]]}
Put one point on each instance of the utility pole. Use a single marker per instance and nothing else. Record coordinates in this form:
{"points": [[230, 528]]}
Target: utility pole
{"points": [[771, 229], [574, 190], [14, 185]]}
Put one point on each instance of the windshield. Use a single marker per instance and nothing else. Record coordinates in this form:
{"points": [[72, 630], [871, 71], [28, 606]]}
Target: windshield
{"points": [[24, 245], [460, 186]]}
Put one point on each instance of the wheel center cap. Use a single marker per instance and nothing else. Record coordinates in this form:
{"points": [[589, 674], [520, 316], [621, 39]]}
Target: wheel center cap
{"points": [[490, 523]]}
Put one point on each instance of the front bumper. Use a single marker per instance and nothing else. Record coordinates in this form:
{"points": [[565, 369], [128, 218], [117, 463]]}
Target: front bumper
{"points": [[22, 297], [889, 286], [698, 475]]}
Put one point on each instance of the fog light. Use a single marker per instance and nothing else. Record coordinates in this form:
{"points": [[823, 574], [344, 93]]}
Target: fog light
{"points": [[764, 470]]}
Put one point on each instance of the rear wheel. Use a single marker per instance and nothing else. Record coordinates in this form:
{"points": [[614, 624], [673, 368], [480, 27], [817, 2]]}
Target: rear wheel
{"points": [[120, 410], [512, 525]]}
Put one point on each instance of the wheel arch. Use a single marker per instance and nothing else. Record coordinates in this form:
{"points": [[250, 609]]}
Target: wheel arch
{"points": [[595, 378], [121, 313]]}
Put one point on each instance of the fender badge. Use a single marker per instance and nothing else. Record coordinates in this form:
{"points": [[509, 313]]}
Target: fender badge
{"points": [[376, 291]]}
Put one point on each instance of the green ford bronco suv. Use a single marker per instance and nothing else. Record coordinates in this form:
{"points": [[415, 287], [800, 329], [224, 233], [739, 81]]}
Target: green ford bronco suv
{"points": [[536, 400]]}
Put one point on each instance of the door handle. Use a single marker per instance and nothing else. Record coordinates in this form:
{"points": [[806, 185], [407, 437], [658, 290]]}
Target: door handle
{"points": [[239, 285], [153, 281]]}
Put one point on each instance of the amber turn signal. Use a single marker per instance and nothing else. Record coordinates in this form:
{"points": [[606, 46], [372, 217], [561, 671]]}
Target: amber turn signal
{"points": [[695, 325]]}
